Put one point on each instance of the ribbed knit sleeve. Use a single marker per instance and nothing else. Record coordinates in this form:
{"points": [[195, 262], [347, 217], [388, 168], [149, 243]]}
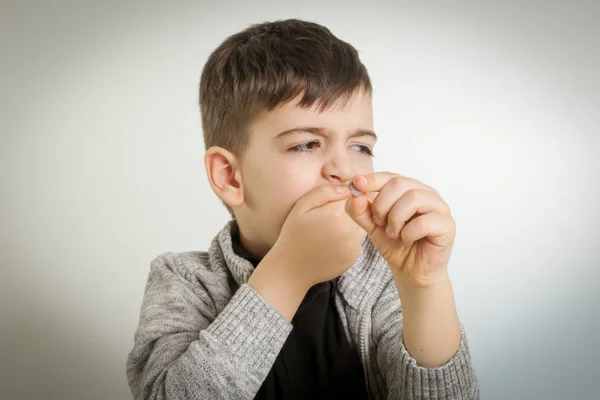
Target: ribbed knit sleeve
{"points": [[403, 377]]}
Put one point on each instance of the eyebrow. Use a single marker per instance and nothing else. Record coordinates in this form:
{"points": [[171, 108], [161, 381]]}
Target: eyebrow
{"points": [[323, 132]]}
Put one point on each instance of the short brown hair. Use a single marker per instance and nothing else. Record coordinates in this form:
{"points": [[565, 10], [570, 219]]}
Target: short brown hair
{"points": [[269, 64]]}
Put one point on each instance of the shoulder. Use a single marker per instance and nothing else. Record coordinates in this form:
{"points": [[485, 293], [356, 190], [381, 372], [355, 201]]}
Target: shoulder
{"points": [[182, 263], [192, 269]]}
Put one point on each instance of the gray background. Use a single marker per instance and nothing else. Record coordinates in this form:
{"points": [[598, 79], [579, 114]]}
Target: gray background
{"points": [[494, 104]]}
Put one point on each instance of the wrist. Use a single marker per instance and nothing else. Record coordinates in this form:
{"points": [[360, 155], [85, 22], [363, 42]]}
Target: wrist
{"points": [[431, 329], [284, 266], [436, 288], [277, 281], [431, 283]]}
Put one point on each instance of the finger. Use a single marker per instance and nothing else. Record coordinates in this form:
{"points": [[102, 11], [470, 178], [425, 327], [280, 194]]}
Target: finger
{"points": [[375, 181], [438, 228], [391, 192], [372, 182], [411, 204], [371, 196], [320, 196], [359, 209]]}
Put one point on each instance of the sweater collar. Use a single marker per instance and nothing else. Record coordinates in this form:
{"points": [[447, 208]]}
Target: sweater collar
{"points": [[363, 280]]}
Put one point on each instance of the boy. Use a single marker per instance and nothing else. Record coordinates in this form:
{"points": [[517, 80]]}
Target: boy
{"points": [[298, 297]]}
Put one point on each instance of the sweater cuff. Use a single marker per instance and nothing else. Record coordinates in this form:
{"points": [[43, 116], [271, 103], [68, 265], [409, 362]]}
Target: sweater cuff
{"points": [[455, 379], [251, 328]]}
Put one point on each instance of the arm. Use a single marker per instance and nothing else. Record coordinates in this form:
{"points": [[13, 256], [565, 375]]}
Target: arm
{"points": [[432, 332], [413, 229], [404, 377], [180, 354]]}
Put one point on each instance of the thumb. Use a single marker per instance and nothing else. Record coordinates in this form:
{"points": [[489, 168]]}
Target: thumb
{"points": [[359, 209]]}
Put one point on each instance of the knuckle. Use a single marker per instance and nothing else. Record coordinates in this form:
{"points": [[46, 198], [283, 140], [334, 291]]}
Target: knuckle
{"points": [[326, 189], [447, 209], [412, 195], [376, 209], [421, 223], [452, 223], [397, 182]]}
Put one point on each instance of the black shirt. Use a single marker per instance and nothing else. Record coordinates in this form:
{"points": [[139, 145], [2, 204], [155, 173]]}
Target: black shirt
{"points": [[316, 361]]}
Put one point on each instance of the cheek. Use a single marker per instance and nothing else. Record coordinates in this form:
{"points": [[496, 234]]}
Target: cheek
{"points": [[362, 164], [293, 186], [277, 187], [287, 185]]}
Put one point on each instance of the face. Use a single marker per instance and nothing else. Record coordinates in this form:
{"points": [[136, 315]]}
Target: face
{"points": [[293, 150]]}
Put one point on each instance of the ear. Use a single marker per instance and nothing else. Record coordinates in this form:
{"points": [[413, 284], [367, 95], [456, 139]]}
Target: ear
{"points": [[224, 175]]}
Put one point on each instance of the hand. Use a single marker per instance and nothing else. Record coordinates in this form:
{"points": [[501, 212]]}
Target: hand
{"points": [[318, 239], [318, 242], [409, 224]]}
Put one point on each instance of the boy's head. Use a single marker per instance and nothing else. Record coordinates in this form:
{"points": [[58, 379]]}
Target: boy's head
{"points": [[286, 107]]}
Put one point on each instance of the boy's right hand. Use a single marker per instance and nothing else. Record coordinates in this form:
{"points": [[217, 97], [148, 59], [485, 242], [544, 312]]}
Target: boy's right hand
{"points": [[318, 239], [318, 242]]}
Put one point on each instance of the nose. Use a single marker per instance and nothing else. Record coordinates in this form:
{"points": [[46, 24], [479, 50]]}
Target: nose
{"points": [[338, 169]]}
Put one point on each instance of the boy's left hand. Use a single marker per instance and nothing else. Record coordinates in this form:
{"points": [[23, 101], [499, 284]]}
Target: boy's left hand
{"points": [[409, 224]]}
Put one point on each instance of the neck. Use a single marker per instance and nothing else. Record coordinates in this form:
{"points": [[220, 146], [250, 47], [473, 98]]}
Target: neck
{"points": [[252, 243]]}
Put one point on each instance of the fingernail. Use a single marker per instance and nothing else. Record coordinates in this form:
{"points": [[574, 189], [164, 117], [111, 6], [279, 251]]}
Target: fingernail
{"points": [[342, 189], [389, 231], [362, 179]]}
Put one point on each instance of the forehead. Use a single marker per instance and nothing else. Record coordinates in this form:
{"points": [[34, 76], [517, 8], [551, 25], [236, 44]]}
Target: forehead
{"points": [[355, 112]]}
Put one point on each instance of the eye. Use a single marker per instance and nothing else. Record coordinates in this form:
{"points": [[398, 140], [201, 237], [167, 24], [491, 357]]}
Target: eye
{"points": [[306, 147], [363, 149]]}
